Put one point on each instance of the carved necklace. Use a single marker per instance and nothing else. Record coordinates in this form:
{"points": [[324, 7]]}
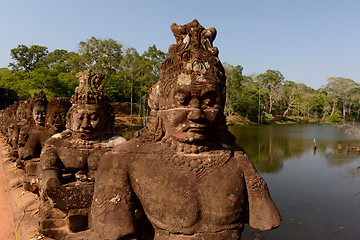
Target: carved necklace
{"points": [[83, 143], [184, 147], [201, 163], [198, 159]]}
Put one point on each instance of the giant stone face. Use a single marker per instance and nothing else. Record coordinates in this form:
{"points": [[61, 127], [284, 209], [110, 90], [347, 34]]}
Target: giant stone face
{"points": [[192, 113], [87, 120], [39, 113]]}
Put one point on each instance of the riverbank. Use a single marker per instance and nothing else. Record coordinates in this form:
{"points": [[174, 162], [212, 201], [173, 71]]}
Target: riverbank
{"points": [[242, 121]]}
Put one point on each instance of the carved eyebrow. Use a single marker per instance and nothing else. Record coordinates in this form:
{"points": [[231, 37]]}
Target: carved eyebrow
{"points": [[208, 92]]}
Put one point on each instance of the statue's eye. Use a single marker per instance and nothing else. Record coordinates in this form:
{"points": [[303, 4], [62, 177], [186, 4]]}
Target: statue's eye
{"points": [[93, 117], [207, 102], [180, 98]]}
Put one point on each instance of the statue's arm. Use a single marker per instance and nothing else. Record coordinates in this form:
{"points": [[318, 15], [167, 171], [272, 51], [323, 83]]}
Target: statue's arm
{"points": [[31, 146], [112, 207], [50, 166], [263, 213]]}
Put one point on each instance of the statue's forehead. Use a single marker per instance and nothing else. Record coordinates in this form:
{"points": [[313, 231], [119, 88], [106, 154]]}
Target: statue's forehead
{"points": [[57, 110], [87, 108], [39, 108], [195, 89]]}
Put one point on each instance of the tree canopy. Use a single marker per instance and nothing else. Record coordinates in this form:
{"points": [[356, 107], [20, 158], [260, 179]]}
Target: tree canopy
{"points": [[129, 76]]}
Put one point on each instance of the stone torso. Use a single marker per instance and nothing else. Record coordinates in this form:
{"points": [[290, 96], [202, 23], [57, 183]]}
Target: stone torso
{"points": [[76, 154], [189, 193]]}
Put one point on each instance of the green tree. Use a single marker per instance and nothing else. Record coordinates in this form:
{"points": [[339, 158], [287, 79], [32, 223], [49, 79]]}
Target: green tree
{"points": [[103, 55], [290, 96], [306, 101], [271, 81], [234, 80], [342, 90], [59, 60], [247, 104], [28, 58]]}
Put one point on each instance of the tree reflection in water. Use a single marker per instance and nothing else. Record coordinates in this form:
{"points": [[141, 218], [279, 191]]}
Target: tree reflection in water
{"points": [[317, 193], [270, 145]]}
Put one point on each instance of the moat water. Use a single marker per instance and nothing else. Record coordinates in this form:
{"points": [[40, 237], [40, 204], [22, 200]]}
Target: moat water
{"points": [[316, 192]]}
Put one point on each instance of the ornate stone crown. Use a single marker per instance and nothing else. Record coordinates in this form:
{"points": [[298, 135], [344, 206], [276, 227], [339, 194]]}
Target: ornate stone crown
{"points": [[90, 90], [192, 61], [59, 103], [39, 99]]}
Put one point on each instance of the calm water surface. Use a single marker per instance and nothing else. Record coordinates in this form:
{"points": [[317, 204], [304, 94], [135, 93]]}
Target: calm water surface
{"points": [[317, 193]]}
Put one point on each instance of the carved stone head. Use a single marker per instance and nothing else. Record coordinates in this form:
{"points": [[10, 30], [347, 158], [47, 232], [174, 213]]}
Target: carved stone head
{"points": [[56, 114], [188, 102], [23, 135], [10, 112], [23, 112], [91, 114], [39, 103]]}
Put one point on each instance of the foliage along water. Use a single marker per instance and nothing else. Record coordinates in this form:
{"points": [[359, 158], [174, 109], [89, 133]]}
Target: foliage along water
{"points": [[317, 192]]}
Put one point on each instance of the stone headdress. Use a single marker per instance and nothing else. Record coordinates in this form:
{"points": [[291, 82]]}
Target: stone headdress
{"points": [[24, 110], [39, 99], [90, 91], [192, 61], [59, 103]]}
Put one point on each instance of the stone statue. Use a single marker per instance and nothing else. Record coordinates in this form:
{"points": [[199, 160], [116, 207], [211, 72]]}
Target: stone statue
{"points": [[13, 118], [23, 117], [56, 114], [9, 116], [69, 159], [183, 172], [30, 134], [39, 103], [31, 149], [22, 121], [54, 123]]}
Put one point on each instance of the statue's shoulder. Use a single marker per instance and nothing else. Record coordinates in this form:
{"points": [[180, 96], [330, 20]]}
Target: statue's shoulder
{"points": [[243, 161], [137, 146], [57, 139], [113, 141], [128, 146]]}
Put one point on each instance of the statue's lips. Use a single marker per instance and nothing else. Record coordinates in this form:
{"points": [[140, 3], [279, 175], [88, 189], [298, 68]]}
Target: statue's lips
{"points": [[85, 131], [196, 128]]}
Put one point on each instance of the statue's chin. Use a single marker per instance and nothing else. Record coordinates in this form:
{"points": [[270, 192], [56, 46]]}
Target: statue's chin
{"points": [[197, 139]]}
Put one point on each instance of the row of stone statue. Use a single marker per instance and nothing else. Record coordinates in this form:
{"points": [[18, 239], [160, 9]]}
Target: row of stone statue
{"points": [[181, 177]]}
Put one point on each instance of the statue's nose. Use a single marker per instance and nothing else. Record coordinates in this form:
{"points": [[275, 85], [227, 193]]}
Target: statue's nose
{"points": [[85, 123], [57, 119], [196, 114]]}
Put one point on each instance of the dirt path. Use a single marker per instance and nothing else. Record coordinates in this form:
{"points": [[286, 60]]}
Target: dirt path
{"points": [[19, 217], [6, 219]]}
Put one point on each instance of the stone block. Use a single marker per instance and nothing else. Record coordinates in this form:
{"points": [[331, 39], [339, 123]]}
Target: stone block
{"points": [[46, 210], [51, 223], [78, 219], [72, 196]]}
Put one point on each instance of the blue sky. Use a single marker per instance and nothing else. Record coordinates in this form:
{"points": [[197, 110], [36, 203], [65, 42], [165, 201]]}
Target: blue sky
{"points": [[308, 40]]}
